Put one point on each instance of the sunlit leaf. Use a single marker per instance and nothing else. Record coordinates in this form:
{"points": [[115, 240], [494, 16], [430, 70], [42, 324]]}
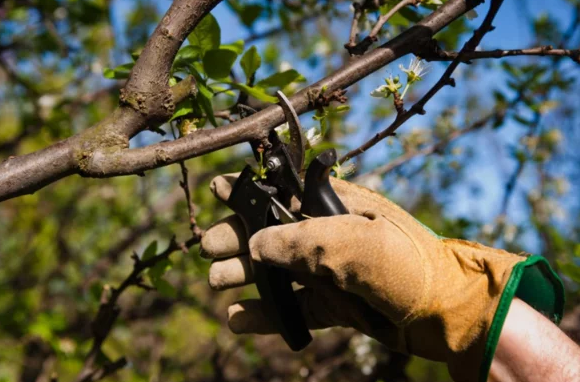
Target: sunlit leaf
{"points": [[204, 98], [257, 93], [250, 13], [236, 46], [183, 108], [218, 63], [150, 251], [251, 61], [206, 35], [281, 80], [120, 72]]}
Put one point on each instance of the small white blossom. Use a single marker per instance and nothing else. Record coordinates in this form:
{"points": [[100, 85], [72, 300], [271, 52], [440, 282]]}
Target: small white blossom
{"points": [[416, 70], [97, 67], [487, 229], [322, 48], [509, 233], [313, 136], [379, 92], [284, 66], [431, 2], [472, 14], [60, 13], [283, 132], [47, 101], [342, 171], [384, 91]]}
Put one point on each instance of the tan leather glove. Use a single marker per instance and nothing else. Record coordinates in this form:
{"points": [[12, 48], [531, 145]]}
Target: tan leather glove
{"points": [[383, 273]]}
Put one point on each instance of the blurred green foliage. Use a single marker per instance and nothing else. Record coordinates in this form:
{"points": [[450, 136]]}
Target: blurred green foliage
{"points": [[65, 246]]}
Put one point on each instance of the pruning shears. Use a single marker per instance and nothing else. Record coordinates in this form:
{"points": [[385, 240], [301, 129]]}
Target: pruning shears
{"points": [[263, 201]]}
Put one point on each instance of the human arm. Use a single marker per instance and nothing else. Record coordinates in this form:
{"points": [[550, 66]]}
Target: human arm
{"points": [[532, 349], [383, 273]]}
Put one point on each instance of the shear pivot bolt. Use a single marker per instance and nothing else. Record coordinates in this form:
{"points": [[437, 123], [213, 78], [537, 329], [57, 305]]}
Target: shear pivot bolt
{"points": [[273, 164]]}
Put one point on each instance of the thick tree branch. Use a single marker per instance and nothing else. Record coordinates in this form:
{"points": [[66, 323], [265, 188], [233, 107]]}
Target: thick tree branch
{"points": [[135, 161], [147, 88], [102, 150], [418, 108]]}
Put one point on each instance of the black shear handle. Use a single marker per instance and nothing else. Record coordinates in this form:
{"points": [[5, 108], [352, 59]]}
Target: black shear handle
{"points": [[319, 198], [251, 202], [275, 284]]}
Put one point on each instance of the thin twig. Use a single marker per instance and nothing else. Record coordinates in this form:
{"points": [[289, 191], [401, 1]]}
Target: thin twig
{"points": [[224, 114], [384, 18], [534, 130], [418, 107], [109, 311], [359, 9], [358, 12], [195, 230], [547, 50], [184, 184], [496, 116]]}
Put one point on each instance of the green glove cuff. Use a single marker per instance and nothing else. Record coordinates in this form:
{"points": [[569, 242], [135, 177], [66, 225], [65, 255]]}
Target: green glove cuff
{"points": [[534, 282]]}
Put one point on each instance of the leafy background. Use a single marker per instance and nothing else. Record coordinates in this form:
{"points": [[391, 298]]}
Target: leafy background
{"points": [[511, 182]]}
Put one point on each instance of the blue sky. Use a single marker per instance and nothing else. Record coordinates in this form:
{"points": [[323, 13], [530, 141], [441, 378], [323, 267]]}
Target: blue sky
{"points": [[493, 164]]}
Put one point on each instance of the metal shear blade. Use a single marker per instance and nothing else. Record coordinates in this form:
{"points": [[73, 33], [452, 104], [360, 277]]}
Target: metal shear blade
{"points": [[297, 146]]}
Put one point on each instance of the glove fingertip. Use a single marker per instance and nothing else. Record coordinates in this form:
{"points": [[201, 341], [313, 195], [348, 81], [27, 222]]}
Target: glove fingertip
{"points": [[265, 245], [236, 319], [248, 317], [221, 186]]}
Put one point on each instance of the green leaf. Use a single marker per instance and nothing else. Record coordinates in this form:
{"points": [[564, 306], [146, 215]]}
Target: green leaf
{"points": [[284, 16], [237, 46], [251, 61], [204, 98], [207, 34], [158, 270], [569, 269], [164, 288], [120, 72], [397, 19], [221, 89], [523, 121], [250, 13], [135, 54], [218, 63], [281, 80], [320, 114], [183, 108], [410, 14], [150, 251], [342, 108], [187, 55], [499, 97], [257, 93]]}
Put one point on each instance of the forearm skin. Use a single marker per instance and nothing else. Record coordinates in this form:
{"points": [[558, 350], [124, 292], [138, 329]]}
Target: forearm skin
{"points": [[532, 349]]}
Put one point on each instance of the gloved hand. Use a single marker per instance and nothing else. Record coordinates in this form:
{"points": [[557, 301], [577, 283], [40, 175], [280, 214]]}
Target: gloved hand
{"points": [[383, 273]]}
